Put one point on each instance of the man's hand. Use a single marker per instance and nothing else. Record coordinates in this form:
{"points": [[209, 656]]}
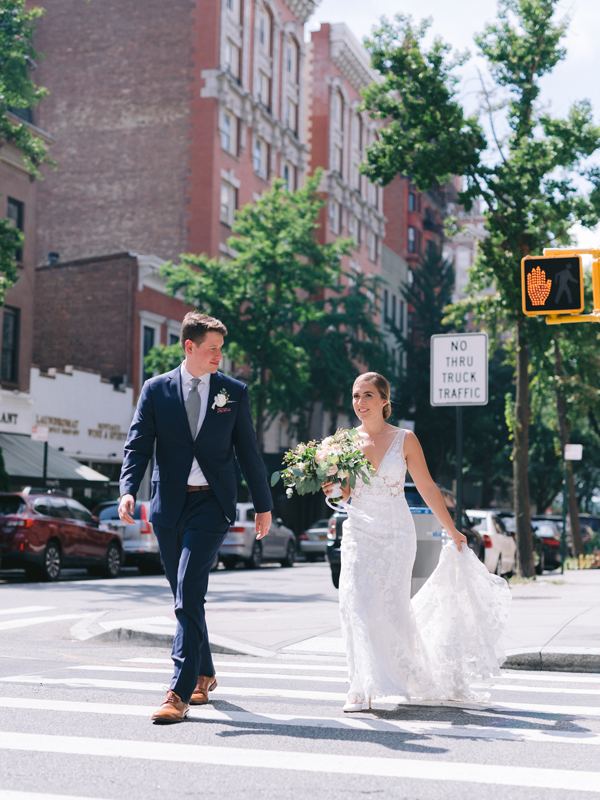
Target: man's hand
{"points": [[126, 509], [262, 523]]}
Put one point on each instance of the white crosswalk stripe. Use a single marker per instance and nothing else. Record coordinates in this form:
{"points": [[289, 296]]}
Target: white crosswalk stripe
{"points": [[259, 683]]}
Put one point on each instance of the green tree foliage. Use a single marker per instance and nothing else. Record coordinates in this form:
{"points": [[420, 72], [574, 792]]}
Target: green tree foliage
{"points": [[535, 185], [17, 90], [263, 295], [163, 358]]}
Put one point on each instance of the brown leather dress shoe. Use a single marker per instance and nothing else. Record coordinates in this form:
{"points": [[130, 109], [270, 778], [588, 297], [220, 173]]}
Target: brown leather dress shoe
{"points": [[172, 710], [203, 687]]}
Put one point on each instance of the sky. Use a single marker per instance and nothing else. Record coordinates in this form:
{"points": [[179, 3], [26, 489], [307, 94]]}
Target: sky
{"points": [[457, 22]]}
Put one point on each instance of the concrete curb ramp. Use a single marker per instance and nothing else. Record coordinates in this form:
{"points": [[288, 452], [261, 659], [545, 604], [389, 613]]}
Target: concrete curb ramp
{"points": [[555, 659]]}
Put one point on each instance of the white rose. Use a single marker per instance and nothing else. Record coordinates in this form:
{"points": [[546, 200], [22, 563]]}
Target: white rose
{"points": [[220, 400]]}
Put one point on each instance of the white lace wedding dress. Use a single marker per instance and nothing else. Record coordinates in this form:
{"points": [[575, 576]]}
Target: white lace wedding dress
{"points": [[444, 640]]}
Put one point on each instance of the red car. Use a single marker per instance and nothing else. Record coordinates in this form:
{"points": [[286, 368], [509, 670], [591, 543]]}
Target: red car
{"points": [[43, 533]]}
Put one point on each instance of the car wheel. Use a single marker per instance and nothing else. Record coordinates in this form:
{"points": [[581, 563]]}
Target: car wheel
{"points": [[335, 575], [229, 562], [50, 570], [539, 567], [290, 555], [112, 561], [255, 559]]}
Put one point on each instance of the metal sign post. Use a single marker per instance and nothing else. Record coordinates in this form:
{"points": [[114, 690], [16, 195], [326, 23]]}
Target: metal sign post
{"points": [[459, 377], [573, 452], [40, 433]]}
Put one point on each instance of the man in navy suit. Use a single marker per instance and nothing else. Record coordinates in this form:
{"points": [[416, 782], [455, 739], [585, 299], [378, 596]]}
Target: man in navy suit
{"points": [[199, 419]]}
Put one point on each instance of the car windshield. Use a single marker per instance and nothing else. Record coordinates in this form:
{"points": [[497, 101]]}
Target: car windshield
{"points": [[413, 498], [112, 512], [321, 523], [12, 505]]}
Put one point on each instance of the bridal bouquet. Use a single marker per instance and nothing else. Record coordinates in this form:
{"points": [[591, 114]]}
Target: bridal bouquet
{"points": [[337, 458]]}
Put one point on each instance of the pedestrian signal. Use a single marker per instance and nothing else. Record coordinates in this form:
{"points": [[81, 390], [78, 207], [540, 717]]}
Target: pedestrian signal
{"points": [[552, 285]]}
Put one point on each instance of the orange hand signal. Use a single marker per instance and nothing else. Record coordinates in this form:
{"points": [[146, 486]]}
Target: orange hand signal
{"points": [[538, 288]]}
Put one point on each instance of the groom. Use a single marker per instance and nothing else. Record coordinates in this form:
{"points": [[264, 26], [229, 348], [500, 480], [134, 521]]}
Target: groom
{"points": [[199, 419]]}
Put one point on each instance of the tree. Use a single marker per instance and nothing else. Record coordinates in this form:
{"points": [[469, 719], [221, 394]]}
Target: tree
{"points": [[263, 295], [530, 184], [17, 91]]}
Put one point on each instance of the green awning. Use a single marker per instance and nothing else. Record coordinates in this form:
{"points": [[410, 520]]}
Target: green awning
{"points": [[24, 462]]}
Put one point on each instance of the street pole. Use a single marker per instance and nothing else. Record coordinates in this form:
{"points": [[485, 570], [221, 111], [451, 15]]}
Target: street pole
{"points": [[459, 466], [563, 543], [45, 473]]}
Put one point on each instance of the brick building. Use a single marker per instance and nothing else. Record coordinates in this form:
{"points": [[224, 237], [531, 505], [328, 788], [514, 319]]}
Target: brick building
{"points": [[106, 312], [165, 121], [338, 67]]}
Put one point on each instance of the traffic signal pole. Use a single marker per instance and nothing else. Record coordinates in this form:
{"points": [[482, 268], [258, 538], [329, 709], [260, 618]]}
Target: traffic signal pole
{"points": [[555, 319]]}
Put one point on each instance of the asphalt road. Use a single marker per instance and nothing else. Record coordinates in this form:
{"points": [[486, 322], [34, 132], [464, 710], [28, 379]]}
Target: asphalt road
{"points": [[74, 717]]}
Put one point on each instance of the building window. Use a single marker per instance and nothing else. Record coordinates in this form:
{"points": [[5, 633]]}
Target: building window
{"points": [[372, 246], [412, 204], [260, 159], [10, 345], [385, 304], [337, 160], [232, 59], [264, 90], [229, 131], [228, 198], [393, 309], [412, 239], [401, 315], [148, 343], [173, 339], [289, 176], [264, 30], [15, 212], [233, 6], [334, 216], [291, 61], [291, 116], [339, 110]]}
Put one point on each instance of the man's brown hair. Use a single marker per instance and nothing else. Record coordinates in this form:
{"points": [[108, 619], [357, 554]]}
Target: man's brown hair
{"points": [[196, 325]]}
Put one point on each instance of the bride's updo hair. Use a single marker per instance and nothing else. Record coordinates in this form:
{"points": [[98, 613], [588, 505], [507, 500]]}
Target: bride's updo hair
{"points": [[382, 386]]}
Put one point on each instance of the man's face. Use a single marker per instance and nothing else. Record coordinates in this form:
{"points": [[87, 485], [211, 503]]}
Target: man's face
{"points": [[206, 356]]}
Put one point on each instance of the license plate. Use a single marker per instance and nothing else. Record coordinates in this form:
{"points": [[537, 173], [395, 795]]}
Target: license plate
{"points": [[323, 537]]}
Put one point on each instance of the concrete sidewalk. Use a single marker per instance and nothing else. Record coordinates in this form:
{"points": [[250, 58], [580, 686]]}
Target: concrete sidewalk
{"points": [[554, 622]]}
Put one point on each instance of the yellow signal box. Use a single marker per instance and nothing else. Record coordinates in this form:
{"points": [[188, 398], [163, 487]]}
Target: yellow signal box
{"points": [[552, 285]]}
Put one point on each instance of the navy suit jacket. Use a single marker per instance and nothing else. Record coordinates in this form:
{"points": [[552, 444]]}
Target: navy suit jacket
{"points": [[161, 417]]}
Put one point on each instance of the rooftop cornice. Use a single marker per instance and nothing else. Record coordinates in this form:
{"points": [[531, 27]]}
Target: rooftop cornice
{"points": [[350, 57], [302, 8]]}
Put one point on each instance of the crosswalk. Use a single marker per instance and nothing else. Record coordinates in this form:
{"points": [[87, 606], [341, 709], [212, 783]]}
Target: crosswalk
{"points": [[101, 710]]}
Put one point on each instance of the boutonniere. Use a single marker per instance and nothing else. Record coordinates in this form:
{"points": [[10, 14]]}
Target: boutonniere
{"points": [[222, 399]]}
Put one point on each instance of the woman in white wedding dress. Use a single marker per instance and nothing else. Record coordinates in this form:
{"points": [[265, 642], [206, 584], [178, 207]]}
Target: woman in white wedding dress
{"points": [[447, 638]]}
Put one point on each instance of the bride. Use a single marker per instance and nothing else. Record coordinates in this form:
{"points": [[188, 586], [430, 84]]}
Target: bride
{"points": [[444, 640]]}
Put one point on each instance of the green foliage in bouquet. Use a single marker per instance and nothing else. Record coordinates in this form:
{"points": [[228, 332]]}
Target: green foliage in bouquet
{"points": [[337, 458]]}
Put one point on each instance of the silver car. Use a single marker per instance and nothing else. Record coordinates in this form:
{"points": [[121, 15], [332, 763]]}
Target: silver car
{"points": [[140, 545], [313, 542], [241, 544]]}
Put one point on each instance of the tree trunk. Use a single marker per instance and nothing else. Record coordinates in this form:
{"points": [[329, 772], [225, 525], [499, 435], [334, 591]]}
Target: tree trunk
{"points": [[563, 434], [521, 459]]}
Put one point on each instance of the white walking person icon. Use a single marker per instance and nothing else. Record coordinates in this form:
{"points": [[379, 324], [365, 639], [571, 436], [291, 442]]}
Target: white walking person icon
{"points": [[564, 277]]}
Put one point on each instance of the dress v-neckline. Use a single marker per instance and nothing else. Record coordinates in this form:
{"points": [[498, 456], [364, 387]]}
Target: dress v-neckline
{"points": [[386, 453]]}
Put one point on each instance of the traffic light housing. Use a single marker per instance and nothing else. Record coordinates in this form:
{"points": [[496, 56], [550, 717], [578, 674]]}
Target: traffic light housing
{"points": [[552, 285]]}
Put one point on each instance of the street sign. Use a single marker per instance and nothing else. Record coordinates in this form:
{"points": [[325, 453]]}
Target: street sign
{"points": [[40, 433], [459, 369], [573, 452], [552, 285]]}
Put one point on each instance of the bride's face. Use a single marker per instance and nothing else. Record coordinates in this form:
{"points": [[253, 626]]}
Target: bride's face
{"points": [[368, 403]]}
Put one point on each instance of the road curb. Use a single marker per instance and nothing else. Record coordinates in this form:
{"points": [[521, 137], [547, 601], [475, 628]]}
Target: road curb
{"points": [[555, 659], [220, 645]]}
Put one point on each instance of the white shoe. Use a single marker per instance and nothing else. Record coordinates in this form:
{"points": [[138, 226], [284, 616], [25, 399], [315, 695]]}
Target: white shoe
{"points": [[349, 707]]}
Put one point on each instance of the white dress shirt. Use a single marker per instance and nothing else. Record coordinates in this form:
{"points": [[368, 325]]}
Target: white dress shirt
{"points": [[196, 476]]}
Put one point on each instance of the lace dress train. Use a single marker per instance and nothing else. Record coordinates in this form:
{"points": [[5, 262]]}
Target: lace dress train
{"points": [[444, 640]]}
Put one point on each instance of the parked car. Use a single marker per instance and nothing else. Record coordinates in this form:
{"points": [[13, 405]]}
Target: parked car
{"points": [[44, 533], [500, 546], [241, 544], [140, 545], [547, 530], [414, 500], [508, 520], [313, 541]]}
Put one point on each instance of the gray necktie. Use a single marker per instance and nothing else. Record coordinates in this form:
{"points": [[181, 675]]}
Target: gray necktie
{"points": [[192, 407]]}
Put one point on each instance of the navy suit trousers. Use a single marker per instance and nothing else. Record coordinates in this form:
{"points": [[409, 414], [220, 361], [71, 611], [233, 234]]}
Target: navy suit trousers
{"points": [[188, 551]]}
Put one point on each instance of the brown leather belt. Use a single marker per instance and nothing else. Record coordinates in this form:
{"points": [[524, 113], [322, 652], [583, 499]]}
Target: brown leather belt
{"points": [[198, 488]]}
